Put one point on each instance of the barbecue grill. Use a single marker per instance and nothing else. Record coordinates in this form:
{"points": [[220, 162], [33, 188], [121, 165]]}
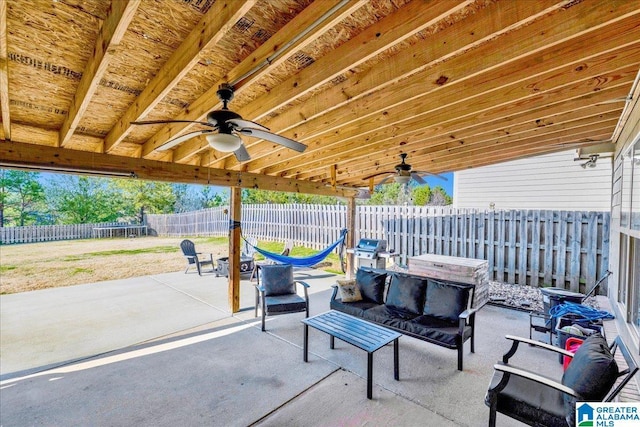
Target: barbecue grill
{"points": [[369, 252]]}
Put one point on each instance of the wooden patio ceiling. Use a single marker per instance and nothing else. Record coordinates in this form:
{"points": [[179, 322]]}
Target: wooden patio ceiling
{"points": [[455, 84]]}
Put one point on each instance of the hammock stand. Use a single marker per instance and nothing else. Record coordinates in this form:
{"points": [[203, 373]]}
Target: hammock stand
{"points": [[300, 261]]}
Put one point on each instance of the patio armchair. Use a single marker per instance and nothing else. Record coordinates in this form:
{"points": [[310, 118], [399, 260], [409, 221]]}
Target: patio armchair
{"points": [[288, 245], [537, 400], [276, 292], [198, 259]]}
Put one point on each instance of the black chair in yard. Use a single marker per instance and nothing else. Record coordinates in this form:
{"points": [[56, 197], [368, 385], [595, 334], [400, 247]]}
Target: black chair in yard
{"points": [[276, 291], [198, 258], [593, 375]]}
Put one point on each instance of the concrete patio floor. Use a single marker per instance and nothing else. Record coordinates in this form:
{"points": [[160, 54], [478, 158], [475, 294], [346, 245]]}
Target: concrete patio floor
{"points": [[165, 350]]}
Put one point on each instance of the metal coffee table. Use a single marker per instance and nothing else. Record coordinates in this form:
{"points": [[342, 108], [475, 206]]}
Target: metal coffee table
{"points": [[357, 332]]}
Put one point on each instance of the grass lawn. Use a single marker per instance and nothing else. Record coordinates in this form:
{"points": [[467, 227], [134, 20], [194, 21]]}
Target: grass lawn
{"points": [[33, 266]]}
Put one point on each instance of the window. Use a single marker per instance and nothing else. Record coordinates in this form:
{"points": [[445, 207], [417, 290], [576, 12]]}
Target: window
{"points": [[627, 176], [623, 268]]}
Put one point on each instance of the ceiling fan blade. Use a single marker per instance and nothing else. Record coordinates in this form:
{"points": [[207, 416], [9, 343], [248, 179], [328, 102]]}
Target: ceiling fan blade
{"points": [[387, 178], [159, 122], [417, 178], [430, 174], [263, 134], [241, 123], [175, 141], [376, 174], [242, 154]]}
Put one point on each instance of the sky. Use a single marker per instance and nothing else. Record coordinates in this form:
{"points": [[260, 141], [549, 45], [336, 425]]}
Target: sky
{"points": [[435, 182]]}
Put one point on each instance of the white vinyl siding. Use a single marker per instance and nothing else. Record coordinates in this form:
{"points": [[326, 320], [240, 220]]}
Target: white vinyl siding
{"points": [[551, 181]]}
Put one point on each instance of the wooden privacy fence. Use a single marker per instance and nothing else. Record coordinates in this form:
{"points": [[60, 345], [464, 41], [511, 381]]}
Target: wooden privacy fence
{"points": [[566, 249], [48, 233]]}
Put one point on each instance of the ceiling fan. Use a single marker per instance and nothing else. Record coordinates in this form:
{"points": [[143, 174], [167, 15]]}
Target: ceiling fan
{"points": [[403, 173], [226, 126]]}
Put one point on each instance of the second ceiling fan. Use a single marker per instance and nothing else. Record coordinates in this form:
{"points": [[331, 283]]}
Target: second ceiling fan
{"points": [[404, 173], [226, 128]]}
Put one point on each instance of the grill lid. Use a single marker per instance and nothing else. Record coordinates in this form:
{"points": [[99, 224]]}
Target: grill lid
{"points": [[370, 248]]}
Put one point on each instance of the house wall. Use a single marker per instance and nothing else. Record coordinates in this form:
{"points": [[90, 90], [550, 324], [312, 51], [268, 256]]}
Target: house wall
{"points": [[624, 261], [551, 181]]}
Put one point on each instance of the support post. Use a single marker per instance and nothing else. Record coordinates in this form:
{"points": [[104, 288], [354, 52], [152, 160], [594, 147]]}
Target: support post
{"points": [[234, 249], [351, 238]]}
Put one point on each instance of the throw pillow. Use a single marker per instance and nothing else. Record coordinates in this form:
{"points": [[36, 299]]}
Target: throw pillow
{"points": [[406, 293], [371, 284], [591, 373], [349, 291], [445, 300]]}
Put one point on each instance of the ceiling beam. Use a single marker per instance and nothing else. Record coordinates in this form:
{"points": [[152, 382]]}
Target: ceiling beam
{"points": [[305, 23], [408, 97], [17, 155], [216, 24], [435, 161], [404, 23], [4, 73], [442, 46], [113, 29], [430, 149], [496, 155], [435, 117], [458, 132]]}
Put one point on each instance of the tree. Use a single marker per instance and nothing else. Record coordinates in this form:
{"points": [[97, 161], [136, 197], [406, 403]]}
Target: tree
{"points": [[145, 196], [409, 194], [84, 200], [439, 197], [392, 194], [22, 197], [210, 198], [421, 195], [252, 196]]}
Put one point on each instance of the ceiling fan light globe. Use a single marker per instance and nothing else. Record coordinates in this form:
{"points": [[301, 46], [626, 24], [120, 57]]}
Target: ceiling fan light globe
{"points": [[224, 142], [401, 179]]}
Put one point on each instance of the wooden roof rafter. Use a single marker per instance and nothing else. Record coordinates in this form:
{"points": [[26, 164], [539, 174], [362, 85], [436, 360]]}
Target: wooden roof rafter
{"points": [[404, 96], [208, 101], [396, 27], [214, 25], [454, 83], [441, 46], [438, 161], [443, 120], [113, 29]]}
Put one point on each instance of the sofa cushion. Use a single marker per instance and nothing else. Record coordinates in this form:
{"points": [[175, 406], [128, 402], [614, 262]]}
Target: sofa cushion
{"points": [[353, 308], [349, 291], [591, 373], [406, 292], [371, 283], [389, 316], [446, 300], [435, 329], [277, 279]]}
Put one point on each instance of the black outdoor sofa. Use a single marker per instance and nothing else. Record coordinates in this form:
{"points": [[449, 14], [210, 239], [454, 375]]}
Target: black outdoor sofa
{"points": [[436, 311]]}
